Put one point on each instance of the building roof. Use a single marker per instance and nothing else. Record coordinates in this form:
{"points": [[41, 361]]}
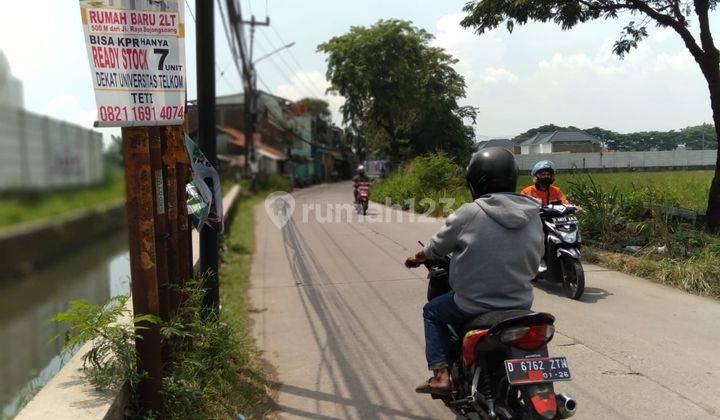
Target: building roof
{"points": [[495, 143], [238, 139], [560, 136]]}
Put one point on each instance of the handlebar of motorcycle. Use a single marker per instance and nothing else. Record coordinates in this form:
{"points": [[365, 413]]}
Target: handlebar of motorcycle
{"points": [[569, 209], [434, 264]]}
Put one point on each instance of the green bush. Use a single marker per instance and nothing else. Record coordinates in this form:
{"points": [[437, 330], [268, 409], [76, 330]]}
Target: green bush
{"points": [[112, 359], [423, 185], [203, 372], [274, 182], [208, 357]]}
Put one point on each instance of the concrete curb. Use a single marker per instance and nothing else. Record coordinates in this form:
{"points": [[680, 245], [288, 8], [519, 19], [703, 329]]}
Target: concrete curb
{"points": [[68, 396]]}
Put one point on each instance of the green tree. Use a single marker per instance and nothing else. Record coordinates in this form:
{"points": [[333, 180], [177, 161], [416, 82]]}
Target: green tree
{"points": [[316, 107], [395, 84], [547, 128], [484, 15]]}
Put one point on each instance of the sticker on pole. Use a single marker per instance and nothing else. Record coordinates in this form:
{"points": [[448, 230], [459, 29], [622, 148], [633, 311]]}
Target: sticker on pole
{"points": [[136, 50]]}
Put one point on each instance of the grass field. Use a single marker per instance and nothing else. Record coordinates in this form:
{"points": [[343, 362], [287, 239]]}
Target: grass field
{"points": [[687, 189], [615, 215], [21, 209]]}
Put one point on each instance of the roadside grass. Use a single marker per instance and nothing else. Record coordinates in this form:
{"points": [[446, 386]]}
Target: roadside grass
{"points": [[617, 214], [253, 398], [699, 274], [31, 207]]}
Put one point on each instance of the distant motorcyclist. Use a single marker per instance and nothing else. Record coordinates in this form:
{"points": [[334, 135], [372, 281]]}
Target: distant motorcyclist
{"points": [[359, 177], [496, 243], [543, 174]]}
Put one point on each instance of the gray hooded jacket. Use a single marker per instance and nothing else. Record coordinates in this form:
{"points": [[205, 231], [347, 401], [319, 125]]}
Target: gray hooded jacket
{"points": [[496, 244]]}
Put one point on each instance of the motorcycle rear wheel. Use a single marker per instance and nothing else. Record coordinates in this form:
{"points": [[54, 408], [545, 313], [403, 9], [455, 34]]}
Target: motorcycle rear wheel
{"points": [[573, 278]]}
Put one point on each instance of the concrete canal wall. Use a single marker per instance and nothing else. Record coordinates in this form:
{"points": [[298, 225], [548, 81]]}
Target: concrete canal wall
{"points": [[33, 245]]}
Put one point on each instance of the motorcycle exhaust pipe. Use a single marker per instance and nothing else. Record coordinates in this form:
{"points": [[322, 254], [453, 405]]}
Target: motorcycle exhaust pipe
{"points": [[566, 406]]}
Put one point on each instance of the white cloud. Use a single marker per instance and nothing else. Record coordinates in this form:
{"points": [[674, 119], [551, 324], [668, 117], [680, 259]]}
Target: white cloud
{"points": [[487, 50], [493, 75], [540, 74]]}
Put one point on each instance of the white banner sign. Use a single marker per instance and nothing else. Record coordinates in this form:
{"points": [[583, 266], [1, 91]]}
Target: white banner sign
{"points": [[136, 50]]}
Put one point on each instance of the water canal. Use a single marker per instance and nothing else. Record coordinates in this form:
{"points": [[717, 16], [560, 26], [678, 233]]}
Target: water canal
{"points": [[29, 349]]}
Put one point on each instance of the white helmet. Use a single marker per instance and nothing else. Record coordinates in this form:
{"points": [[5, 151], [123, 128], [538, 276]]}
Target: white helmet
{"points": [[361, 169]]}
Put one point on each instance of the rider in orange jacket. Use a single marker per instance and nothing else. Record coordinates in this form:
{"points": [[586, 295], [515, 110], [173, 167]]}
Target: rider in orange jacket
{"points": [[543, 175]]}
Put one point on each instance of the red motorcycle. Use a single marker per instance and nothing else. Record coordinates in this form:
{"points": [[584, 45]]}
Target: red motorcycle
{"points": [[362, 196], [500, 365]]}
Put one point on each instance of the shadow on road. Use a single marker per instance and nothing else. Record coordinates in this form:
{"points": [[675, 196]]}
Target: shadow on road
{"points": [[591, 294], [335, 399], [351, 353]]}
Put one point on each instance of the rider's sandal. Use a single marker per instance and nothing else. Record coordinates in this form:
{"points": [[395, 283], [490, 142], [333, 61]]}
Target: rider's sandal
{"points": [[427, 387]]}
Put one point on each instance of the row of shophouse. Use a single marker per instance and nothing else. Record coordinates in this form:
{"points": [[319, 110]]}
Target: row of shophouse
{"points": [[289, 141]]}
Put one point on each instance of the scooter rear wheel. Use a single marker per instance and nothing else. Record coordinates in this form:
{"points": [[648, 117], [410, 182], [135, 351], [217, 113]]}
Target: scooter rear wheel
{"points": [[573, 278]]}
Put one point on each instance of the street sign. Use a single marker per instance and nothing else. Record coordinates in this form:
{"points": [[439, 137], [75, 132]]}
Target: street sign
{"points": [[136, 50]]}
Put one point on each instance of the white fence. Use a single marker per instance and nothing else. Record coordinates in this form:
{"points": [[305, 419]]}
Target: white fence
{"points": [[38, 153], [622, 160]]}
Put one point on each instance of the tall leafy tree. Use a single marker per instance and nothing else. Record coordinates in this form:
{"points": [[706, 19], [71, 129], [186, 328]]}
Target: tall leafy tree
{"points": [[391, 78], [484, 15], [316, 107]]}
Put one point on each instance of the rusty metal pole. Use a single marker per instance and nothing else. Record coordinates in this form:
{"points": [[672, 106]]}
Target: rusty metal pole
{"points": [[140, 207], [169, 137], [177, 171], [159, 170]]}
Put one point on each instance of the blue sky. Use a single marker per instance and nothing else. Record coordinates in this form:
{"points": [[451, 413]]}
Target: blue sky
{"points": [[538, 74]]}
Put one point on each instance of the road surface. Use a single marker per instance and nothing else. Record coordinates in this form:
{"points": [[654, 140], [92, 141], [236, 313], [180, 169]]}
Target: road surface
{"points": [[339, 316]]}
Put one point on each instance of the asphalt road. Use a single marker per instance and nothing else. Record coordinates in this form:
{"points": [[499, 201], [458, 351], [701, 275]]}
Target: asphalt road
{"points": [[339, 316]]}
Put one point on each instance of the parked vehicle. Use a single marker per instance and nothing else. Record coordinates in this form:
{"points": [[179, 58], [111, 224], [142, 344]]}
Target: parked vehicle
{"points": [[362, 197], [500, 366], [561, 263]]}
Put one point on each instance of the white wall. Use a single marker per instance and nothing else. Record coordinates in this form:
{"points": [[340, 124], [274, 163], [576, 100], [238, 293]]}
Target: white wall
{"points": [[41, 153], [621, 160], [536, 148]]}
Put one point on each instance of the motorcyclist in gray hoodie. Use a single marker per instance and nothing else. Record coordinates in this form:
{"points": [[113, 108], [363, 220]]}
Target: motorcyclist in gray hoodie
{"points": [[496, 244]]}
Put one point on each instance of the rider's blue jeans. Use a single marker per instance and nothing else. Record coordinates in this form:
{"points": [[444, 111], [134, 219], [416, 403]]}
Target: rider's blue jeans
{"points": [[437, 314]]}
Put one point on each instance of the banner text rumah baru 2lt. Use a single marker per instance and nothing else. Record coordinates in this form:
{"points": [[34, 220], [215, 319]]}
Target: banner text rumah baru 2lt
{"points": [[136, 51]]}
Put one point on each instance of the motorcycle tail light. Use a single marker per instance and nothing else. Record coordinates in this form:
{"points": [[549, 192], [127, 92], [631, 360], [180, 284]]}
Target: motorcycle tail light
{"points": [[529, 337]]}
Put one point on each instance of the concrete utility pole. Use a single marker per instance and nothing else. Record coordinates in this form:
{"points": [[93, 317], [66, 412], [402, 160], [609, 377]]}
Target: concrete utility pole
{"points": [[250, 83], [243, 53], [205, 34]]}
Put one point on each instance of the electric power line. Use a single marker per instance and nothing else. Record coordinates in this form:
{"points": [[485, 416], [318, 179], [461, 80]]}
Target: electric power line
{"points": [[262, 82], [231, 44], [287, 78], [190, 10], [298, 71], [295, 60]]}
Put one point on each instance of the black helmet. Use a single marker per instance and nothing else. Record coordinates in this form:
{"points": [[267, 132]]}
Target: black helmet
{"points": [[491, 170]]}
